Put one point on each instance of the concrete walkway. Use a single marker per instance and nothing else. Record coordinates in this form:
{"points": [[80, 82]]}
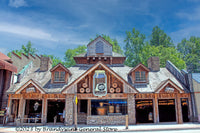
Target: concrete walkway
{"points": [[91, 128]]}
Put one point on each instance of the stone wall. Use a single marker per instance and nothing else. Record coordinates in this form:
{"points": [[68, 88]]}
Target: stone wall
{"points": [[106, 120], [22, 61], [131, 109], [69, 115], [45, 63], [82, 118]]}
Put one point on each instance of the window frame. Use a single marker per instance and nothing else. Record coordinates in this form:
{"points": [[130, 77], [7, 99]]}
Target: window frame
{"points": [[140, 76], [59, 76]]}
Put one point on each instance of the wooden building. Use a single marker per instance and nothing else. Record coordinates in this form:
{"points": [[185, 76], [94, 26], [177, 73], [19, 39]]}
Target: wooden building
{"points": [[104, 89], [7, 69]]}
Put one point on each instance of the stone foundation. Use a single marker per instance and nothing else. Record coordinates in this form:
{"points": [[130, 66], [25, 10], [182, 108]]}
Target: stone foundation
{"points": [[82, 118], [106, 120]]}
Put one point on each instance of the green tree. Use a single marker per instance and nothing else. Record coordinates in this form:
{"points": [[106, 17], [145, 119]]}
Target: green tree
{"points": [[190, 50], [164, 54], [28, 49], [159, 37], [70, 53], [55, 60], [115, 46], [133, 47], [18, 52]]}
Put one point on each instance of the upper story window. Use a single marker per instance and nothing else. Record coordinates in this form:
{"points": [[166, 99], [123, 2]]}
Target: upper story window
{"points": [[59, 76], [140, 76], [99, 48]]}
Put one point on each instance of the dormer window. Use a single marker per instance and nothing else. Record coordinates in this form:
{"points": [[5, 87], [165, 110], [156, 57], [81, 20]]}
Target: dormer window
{"points": [[140, 76], [59, 76]]}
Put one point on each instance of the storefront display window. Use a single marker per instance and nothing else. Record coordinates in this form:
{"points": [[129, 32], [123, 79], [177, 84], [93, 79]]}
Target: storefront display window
{"points": [[109, 107]]}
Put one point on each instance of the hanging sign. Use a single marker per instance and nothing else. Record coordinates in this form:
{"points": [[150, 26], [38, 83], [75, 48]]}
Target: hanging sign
{"points": [[100, 83], [30, 89]]}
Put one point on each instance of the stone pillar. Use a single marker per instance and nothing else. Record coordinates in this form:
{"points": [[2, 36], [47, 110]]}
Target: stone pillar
{"points": [[131, 109], [179, 110], [44, 111], [155, 109], [69, 109]]}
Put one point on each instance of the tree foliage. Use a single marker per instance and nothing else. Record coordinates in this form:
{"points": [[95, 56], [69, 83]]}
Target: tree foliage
{"points": [[70, 53], [190, 50], [164, 54], [159, 37], [25, 49], [138, 51], [133, 47]]}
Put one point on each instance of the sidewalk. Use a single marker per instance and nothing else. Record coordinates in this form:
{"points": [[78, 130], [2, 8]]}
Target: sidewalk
{"points": [[91, 128]]}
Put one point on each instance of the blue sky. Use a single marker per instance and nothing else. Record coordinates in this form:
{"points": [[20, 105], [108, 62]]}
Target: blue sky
{"points": [[53, 26]]}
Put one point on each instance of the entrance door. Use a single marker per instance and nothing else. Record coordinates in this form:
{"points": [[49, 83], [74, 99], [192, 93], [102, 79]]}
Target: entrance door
{"points": [[144, 111], [185, 111], [167, 110], [33, 110], [55, 109]]}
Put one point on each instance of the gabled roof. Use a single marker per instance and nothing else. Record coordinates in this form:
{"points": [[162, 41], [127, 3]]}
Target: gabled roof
{"points": [[164, 83], [31, 81], [92, 69], [99, 37], [5, 63], [4, 57], [62, 66], [139, 65]]}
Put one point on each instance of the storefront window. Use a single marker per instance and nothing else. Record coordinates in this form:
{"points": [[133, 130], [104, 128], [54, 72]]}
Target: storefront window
{"points": [[109, 107]]}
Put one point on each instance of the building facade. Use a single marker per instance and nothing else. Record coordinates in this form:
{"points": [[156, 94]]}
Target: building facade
{"points": [[99, 90], [7, 69]]}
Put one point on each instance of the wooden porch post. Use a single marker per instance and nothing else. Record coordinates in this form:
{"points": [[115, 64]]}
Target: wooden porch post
{"points": [[8, 108], [21, 102], [44, 111], [178, 109], [89, 107], [190, 107], [155, 109]]}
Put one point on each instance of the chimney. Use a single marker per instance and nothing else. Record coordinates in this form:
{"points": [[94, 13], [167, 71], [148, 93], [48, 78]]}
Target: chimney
{"points": [[154, 63], [45, 63]]}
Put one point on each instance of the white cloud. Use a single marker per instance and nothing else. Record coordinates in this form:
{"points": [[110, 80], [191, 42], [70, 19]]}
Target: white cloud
{"points": [[26, 31], [192, 15], [17, 3], [185, 32]]}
